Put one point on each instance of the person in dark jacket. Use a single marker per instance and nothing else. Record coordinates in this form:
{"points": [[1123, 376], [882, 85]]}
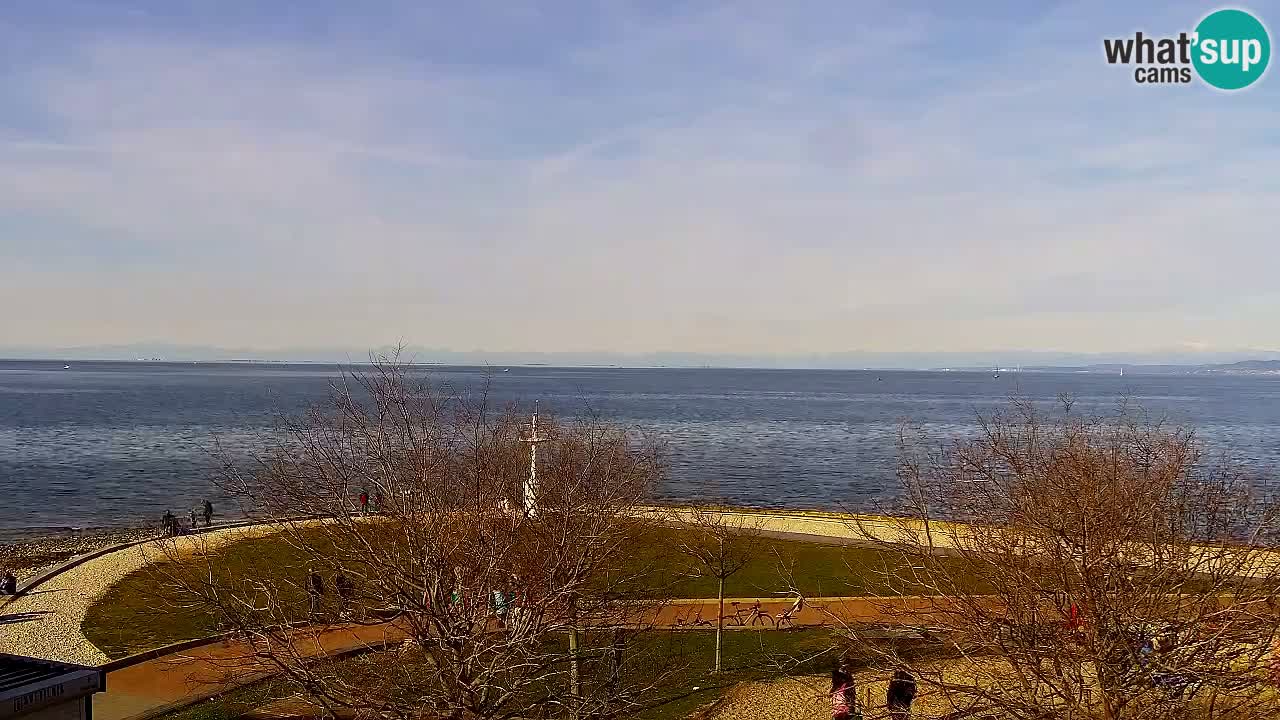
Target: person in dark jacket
{"points": [[207, 509], [8, 584], [315, 591], [902, 692], [169, 524], [346, 591], [844, 696]]}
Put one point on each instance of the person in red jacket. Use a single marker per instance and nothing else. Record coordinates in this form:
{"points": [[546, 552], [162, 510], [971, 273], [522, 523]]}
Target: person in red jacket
{"points": [[364, 502], [844, 696]]}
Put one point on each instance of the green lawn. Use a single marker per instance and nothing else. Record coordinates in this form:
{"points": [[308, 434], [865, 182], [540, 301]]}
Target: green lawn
{"points": [[818, 570], [143, 612], [674, 663], [677, 661]]}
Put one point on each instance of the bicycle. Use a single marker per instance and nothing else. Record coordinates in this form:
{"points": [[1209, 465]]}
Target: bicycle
{"points": [[788, 616], [696, 621], [752, 615]]}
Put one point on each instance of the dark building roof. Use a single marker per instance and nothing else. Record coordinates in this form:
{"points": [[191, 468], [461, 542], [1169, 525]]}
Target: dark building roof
{"points": [[27, 684], [16, 672]]}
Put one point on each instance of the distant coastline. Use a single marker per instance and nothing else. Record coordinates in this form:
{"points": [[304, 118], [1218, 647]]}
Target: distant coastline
{"points": [[1175, 360], [1243, 367]]}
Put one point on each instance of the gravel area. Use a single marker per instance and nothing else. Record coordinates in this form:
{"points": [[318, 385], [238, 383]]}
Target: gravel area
{"points": [[799, 698], [806, 698], [46, 622]]}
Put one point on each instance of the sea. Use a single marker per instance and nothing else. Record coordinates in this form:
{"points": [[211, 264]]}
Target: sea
{"points": [[110, 444]]}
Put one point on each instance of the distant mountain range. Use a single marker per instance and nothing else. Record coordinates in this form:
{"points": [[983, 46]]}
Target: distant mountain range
{"points": [[1243, 367], [1174, 361]]}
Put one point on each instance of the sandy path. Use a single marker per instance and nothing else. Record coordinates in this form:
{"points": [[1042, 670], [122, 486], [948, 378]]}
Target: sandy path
{"points": [[807, 698], [46, 622]]}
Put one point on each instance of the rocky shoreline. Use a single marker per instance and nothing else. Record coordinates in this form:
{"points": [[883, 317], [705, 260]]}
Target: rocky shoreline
{"points": [[29, 557]]}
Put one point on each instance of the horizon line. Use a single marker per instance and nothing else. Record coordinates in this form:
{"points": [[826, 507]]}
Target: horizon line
{"points": [[968, 367]]}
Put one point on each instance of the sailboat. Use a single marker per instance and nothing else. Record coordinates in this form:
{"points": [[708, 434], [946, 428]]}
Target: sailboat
{"points": [[1121, 372], [996, 374]]}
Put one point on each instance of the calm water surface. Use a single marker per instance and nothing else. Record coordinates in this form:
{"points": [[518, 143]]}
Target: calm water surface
{"points": [[103, 444]]}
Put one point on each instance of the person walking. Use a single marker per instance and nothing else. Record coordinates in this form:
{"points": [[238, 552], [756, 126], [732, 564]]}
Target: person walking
{"points": [[8, 584], [844, 695], [168, 524], [346, 590], [207, 508], [195, 523], [315, 592], [901, 693], [455, 597], [364, 502], [501, 602]]}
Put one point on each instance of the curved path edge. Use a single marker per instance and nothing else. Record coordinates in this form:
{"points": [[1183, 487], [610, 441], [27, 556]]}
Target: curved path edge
{"points": [[807, 523], [33, 582], [45, 620], [164, 680]]}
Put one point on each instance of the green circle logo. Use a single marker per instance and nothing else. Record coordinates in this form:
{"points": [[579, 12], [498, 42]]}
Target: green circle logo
{"points": [[1232, 49]]}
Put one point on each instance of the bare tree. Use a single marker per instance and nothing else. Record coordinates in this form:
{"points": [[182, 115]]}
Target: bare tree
{"points": [[478, 592], [1086, 566], [718, 544]]}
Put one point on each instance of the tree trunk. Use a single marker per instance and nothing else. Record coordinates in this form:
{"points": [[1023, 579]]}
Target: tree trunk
{"points": [[615, 657], [574, 679], [1108, 708], [719, 620]]}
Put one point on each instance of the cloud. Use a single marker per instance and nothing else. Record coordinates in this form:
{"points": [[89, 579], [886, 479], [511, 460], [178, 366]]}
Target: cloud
{"points": [[737, 179]]}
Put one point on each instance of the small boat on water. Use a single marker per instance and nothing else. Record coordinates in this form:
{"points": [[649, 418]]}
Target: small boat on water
{"points": [[66, 367]]}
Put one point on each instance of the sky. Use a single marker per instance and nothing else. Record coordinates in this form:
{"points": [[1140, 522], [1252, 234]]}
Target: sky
{"points": [[748, 178]]}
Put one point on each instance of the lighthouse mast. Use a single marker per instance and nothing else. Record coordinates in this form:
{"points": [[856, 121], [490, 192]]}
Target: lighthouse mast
{"points": [[531, 484]]}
